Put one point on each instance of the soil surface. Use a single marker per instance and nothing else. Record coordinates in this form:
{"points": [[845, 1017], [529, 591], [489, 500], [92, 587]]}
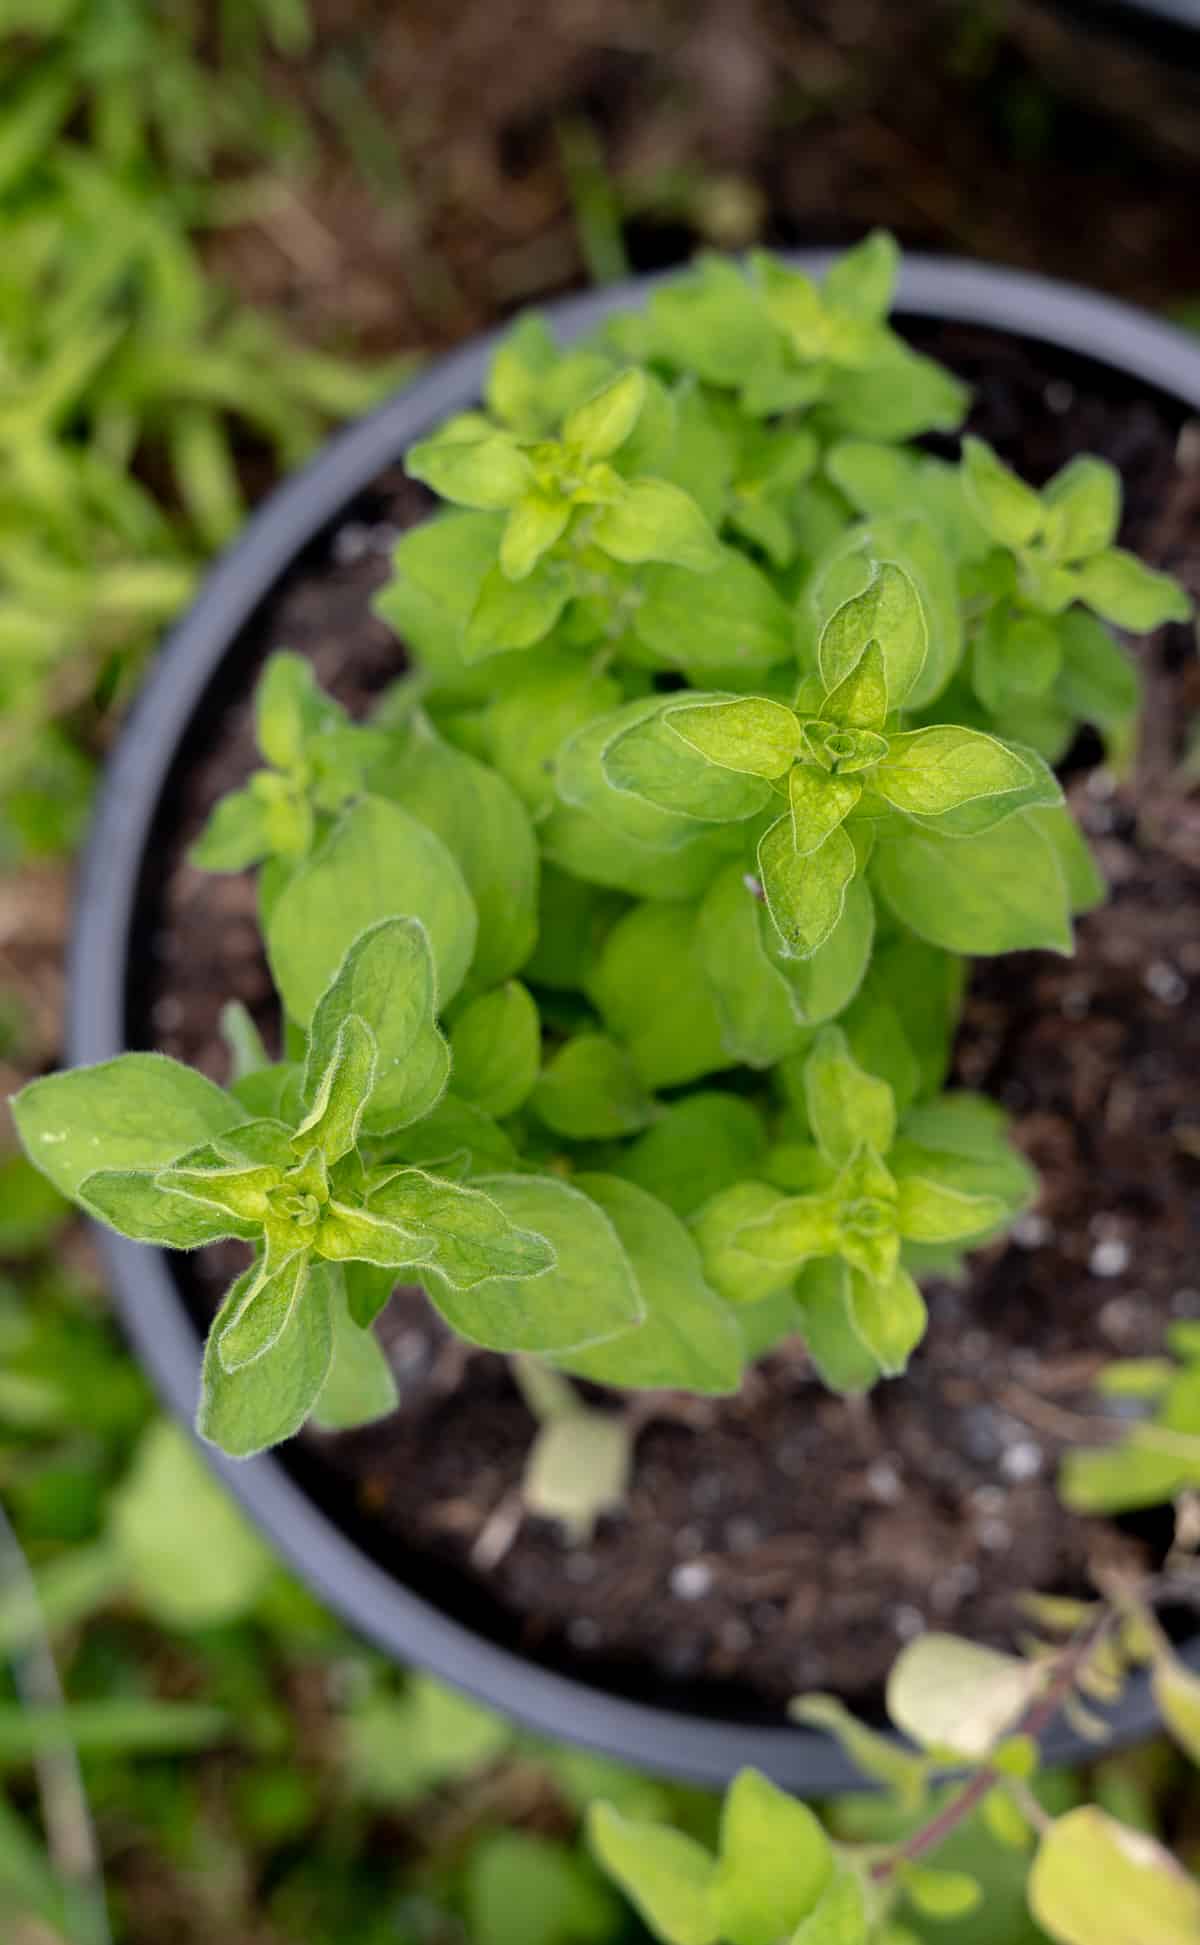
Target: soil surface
{"points": [[785, 1539]]}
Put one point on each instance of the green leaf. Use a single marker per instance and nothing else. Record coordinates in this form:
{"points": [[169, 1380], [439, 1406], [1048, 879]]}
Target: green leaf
{"points": [[485, 472], [590, 1294], [699, 1145], [1083, 508], [462, 1233], [584, 781], [535, 524], [386, 980], [818, 803], [605, 421], [1011, 511], [753, 1240], [650, 987], [834, 1344], [826, 982], [712, 323], [887, 610], [889, 1317], [652, 761], [1015, 656], [840, 1917], [950, 1695], [590, 1091], [359, 1387], [261, 1404], [759, 1009], [487, 831], [528, 1890], [288, 709], [1002, 891], [1085, 886], [775, 1863], [242, 829], [509, 615], [1096, 1882], [860, 700], [378, 862], [1124, 590], [132, 1202], [941, 1894], [863, 280], [735, 621], [666, 1875], [805, 893], [933, 770], [903, 1773], [271, 1296], [655, 521], [342, 1092], [138, 1111], [194, 1560], [496, 1046], [688, 1340], [1177, 1697], [751, 734], [931, 1212], [1097, 682], [845, 1105], [535, 715], [898, 397]]}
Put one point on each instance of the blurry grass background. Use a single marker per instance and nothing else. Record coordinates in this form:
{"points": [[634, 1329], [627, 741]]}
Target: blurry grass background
{"points": [[228, 224]]}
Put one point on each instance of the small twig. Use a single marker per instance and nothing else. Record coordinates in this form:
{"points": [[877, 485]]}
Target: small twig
{"points": [[1034, 1724]]}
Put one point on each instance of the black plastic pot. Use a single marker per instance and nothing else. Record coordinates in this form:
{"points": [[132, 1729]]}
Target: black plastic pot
{"points": [[407, 1625]]}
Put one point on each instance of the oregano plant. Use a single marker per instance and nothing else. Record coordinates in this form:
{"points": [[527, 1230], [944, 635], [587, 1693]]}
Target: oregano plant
{"points": [[619, 953]]}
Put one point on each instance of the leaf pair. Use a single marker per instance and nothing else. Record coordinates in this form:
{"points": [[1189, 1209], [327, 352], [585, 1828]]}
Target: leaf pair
{"points": [[546, 486], [775, 1881], [1062, 541], [861, 1310], [184, 1164]]}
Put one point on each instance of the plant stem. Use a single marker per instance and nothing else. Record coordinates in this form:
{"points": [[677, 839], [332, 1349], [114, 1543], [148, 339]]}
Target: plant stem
{"points": [[1034, 1723]]}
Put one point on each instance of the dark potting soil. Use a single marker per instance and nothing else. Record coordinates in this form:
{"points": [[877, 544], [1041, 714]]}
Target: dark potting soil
{"points": [[785, 1539]]}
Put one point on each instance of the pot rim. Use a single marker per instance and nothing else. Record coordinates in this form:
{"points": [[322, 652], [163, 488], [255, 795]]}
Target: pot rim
{"points": [[652, 1736]]}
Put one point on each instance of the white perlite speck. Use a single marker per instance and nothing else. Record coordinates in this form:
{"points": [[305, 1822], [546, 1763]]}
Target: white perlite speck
{"points": [[1110, 1257], [691, 1581]]}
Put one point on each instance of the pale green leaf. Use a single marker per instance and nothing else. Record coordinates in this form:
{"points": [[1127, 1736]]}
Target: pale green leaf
{"points": [[667, 1875], [1011, 511], [589, 1294], [359, 1387], [590, 1090], [750, 734], [496, 1047], [805, 893], [655, 521], [952, 1695], [193, 1559], [846, 1106], [1097, 1882], [386, 980], [775, 1862], [688, 1340], [1002, 891], [932, 770], [139, 1111], [378, 862], [265, 1402]]}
